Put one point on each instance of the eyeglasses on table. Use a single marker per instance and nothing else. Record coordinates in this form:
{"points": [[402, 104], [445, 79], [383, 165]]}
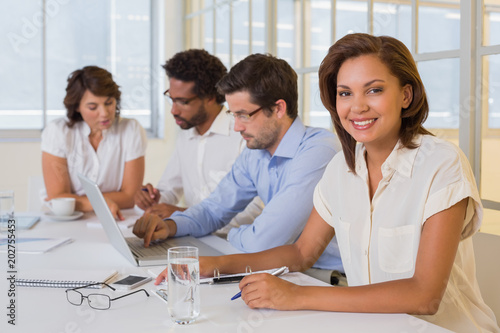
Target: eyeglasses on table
{"points": [[95, 300]]}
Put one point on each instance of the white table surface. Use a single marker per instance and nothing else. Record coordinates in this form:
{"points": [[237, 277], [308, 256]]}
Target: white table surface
{"points": [[47, 310]]}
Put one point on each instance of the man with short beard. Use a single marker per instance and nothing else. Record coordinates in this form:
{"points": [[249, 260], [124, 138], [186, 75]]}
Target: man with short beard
{"points": [[206, 148], [282, 165]]}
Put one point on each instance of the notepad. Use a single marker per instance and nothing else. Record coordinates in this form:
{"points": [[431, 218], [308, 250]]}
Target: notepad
{"points": [[124, 225], [233, 278], [23, 222], [34, 245], [222, 278], [62, 278]]}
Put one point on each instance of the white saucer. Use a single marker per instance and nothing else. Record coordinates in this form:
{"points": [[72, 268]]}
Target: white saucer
{"points": [[74, 216]]}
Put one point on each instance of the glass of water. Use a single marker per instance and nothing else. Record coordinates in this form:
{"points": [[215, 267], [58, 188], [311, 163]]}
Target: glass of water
{"points": [[183, 284], [6, 206]]}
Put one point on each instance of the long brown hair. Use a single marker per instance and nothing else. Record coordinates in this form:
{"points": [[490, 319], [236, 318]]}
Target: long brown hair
{"points": [[400, 63], [95, 79]]}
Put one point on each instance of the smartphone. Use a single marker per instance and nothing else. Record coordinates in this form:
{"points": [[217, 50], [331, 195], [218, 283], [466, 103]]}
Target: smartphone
{"points": [[131, 282]]}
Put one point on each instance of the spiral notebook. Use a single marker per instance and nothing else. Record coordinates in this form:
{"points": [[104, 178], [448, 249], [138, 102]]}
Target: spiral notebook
{"points": [[63, 278]]}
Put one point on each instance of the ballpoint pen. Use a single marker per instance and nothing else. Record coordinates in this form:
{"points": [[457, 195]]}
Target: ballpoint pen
{"points": [[277, 272]]}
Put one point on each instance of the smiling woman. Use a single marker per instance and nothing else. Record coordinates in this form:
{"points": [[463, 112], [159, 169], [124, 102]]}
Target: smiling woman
{"points": [[94, 141]]}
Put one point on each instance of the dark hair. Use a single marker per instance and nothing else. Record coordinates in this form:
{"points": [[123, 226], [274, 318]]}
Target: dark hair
{"points": [[94, 79], [266, 78], [200, 67], [400, 63]]}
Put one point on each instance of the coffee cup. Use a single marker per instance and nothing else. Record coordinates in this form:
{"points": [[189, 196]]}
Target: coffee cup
{"points": [[62, 206]]}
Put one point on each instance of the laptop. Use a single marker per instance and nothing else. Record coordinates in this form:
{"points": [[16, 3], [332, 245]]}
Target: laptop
{"points": [[133, 248]]}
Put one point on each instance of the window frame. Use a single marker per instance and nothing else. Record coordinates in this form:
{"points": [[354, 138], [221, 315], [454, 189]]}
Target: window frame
{"points": [[156, 81], [471, 51]]}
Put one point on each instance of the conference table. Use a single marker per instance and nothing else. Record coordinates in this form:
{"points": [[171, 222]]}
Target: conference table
{"points": [[47, 309]]}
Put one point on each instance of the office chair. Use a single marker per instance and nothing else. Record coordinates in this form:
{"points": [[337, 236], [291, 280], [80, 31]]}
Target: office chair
{"points": [[486, 250]]}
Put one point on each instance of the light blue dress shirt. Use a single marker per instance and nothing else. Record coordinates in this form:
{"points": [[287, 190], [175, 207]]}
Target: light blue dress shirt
{"points": [[285, 182]]}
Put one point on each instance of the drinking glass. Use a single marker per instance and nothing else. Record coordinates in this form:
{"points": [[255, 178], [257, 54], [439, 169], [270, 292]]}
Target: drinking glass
{"points": [[183, 284]]}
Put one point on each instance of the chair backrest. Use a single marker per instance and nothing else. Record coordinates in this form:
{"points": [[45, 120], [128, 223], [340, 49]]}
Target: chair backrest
{"points": [[35, 186], [486, 250]]}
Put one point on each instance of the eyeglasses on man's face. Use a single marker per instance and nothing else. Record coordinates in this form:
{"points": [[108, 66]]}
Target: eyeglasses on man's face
{"points": [[242, 116], [95, 300], [179, 101]]}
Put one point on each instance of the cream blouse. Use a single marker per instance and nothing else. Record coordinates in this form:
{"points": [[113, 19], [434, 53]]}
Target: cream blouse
{"points": [[379, 240], [124, 141]]}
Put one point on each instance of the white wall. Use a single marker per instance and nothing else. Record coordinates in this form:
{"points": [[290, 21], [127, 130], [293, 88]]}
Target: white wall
{"points": [[21, 160]]}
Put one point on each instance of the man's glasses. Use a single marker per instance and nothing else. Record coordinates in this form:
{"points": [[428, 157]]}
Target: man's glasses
{"points": [[243, 117], [179, 101], [95, 301]]}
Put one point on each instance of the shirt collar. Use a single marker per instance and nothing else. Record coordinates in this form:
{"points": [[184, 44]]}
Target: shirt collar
{"points": [[401, 159], [85, 128], [223, 124], [291, 140]]}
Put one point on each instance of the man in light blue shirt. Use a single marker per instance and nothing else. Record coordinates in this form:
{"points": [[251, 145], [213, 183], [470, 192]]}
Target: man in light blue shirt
{"points": [[282, 165]]}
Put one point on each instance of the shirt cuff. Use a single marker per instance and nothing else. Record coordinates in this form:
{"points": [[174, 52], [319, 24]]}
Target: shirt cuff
{"points": [[230, 234], [234, 240], [182, 224]]}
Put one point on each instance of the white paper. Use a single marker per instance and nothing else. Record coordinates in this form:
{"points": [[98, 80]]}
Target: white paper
{"points": [[33, 245]]}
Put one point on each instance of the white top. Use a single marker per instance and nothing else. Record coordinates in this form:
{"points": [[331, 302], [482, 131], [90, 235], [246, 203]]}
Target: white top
{"points": [[198, 164], [125, 141], [379, 241]]}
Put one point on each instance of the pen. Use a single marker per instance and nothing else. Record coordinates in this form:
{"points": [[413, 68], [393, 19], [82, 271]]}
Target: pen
{"points": [[229, 279], [277, 272], [152, 196]]}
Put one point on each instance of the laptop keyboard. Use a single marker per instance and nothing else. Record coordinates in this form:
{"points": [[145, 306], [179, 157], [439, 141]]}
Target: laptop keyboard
{"points": [[155, 249]]}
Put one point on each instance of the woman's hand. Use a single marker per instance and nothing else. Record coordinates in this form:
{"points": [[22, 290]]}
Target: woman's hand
{"points": [[266, 291], [163, 276], [207, 267], [115, 211]]}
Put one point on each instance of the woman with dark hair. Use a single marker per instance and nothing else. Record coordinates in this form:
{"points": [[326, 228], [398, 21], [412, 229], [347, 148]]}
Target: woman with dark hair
{"points": [[95, 141], [402, 203]]}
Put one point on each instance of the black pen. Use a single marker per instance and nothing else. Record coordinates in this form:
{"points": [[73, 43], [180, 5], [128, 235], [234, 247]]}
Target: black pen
{"points": [[277, 272], [228, 279]]}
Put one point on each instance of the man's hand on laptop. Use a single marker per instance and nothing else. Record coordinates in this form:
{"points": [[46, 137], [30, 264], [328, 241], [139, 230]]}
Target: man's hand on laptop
{"points": [[164, 210], [151, 227], [147, 196]]}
